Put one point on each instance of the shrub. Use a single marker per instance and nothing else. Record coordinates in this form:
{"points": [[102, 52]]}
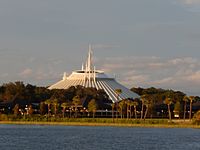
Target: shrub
{"points": [[196, 118], [3, 117]]}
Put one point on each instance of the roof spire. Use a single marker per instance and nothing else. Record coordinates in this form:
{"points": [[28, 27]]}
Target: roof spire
{"points": [[64, 76], [88, 66], [82, 68], [89, 61]]}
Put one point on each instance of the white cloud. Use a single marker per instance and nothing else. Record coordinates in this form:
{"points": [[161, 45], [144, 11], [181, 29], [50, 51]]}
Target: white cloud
{"points": [[26, 72], [38, 76], [191, 2], [191, 5], [194, 77]]}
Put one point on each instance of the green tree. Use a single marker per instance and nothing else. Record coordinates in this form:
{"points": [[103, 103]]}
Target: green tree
{"points": [[143, 99], [131, 105], [16, 110], [148, 104], [113, 107], [76, 101], [191, 99], [117, 92], [121, 107], [42, 108], [48, 103], [185, 99], [135, 104], [92, 106], [117, 109], [128, 108], [177, 109], [64, 106], [55, 105], [196, 118], [30, 110], [15, 92], [168, 102]]}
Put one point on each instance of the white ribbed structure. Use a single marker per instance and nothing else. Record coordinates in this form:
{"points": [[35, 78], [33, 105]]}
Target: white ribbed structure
{"points": [[89, 77]]}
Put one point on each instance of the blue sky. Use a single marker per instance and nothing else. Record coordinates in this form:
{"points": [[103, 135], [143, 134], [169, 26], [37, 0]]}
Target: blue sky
{"points": [[144, 42]]}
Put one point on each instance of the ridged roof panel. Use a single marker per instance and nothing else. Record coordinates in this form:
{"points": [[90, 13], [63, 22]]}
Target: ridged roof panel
{"points": [[109, 85]]}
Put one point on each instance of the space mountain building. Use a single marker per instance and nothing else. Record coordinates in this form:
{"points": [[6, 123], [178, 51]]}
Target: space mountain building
{"points": [[88, 76]]}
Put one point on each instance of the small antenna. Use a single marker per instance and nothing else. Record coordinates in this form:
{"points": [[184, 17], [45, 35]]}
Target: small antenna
{"points": [[82, 67], [94, 74], [64, 76], [114, 76]]}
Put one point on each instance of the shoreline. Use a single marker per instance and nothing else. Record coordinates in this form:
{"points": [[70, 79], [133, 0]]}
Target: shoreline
{"points": [[141, 125]]}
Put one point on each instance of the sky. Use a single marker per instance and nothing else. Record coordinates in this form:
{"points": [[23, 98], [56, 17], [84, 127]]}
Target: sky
{"points": [[145, 43]]}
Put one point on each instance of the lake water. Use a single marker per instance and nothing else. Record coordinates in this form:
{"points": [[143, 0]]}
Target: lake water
{"points": [[38, 137]]}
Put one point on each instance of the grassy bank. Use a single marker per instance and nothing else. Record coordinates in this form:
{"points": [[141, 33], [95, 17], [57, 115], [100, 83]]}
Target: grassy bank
{"points": [[42, 120], [142, 125]]}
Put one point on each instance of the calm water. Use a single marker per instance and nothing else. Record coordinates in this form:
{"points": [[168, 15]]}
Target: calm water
{"points": [[36, 137]]}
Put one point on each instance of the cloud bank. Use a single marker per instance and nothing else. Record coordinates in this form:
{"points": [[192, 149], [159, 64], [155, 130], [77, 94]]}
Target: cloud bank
{"points": [[172, 73], [191, 2], [191, 5]]}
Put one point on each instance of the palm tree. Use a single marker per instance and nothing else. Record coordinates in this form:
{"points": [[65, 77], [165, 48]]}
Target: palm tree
{"points": [[185, 99], [55, 104], [121, 107], [131, 104], [64, 106], [30, 110], [42, 108], [92, 107], [117, 109], [143, 99], [113, 107], [177, 109], [117, 92], [147, 103], [168, 102], [128, 108], [191, 98], [135, 104], [16, 110], [76, 101], [48, 103]]}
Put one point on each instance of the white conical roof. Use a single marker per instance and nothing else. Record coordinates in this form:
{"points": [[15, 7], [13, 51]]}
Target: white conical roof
{"points": [[90, 77]]}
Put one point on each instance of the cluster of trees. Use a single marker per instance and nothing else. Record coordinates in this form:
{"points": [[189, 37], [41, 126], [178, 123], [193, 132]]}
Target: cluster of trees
{"points": [[155, 103], [16, 97], [166, 101], [145, 105]]}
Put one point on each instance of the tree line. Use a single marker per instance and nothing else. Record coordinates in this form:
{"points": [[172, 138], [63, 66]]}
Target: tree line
{"points": [[19, 98], [167, 102], [16, 97]]}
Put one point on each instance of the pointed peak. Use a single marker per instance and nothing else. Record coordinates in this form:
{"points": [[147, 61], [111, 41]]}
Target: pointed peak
{"points": [[90, 47], [82, 68], [64, 76], [89, 59]]}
